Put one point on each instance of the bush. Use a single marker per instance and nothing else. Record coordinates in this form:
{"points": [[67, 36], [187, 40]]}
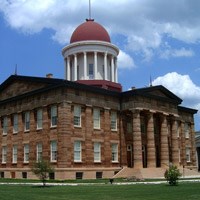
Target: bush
{"points": [[42, 169], [172, 175]]}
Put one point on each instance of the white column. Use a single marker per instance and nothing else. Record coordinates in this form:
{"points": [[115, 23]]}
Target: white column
{"points": [[105, 67], [112, 69], [95, 65], [85, 66], [116, 70], [68, 68], [75, 67]]}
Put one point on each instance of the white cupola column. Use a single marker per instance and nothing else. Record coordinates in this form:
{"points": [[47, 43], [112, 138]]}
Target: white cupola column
{"points": [[112, 69], [116, 70], [105, 67], [85, 66], [75, 67], [68, 68], [95, 65]]}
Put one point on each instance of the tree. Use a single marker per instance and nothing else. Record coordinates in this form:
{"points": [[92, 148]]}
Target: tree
{"points": [[172, 175], [42, 169]]}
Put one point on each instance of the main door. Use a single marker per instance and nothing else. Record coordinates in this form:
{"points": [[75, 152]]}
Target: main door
{"points": [[130, 155]]}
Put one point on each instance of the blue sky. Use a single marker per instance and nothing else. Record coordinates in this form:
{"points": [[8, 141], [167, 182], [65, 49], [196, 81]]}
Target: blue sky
{"points": [[156, 38]]}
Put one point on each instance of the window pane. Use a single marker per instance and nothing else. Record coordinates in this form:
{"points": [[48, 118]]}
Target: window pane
{"points": [[97, 152], [77, 116], [53, 151], [96, 118], [14, 154], [5, 125], [39, 119], [15, 123], [114, 152], [26, 153], [113, 121], [77, 151], [39, 151], [53, 115], [27, 121]]}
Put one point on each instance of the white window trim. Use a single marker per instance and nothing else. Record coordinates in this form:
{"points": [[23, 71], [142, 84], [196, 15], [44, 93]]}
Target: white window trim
{"points": [[39, 151], [27, 121], [4, 154], [78, 151], [188, 155], [116, 152], [54, 151], [14, 154], [39, 119], [113, 120], [187, 130], [5, 125], [52, 115], [96, 118], [26, 153], [15, 124], [77, 113], [97, 151]]}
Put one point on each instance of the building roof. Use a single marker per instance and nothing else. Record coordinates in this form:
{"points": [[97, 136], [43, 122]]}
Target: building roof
{"points": [[154, 92], [90, 30]]}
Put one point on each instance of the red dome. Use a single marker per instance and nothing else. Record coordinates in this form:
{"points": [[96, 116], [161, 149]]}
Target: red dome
{"points": [[90, 30]]}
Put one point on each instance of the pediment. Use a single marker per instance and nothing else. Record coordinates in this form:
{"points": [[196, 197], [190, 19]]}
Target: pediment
{"points": [[18, 85]]}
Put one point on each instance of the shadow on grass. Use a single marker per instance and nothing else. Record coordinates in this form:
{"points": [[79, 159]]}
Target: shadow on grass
{"points": [[41, 186]]}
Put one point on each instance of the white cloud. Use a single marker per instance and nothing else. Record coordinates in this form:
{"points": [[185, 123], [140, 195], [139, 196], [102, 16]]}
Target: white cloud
{"points": [[182, 86], [143, 23], [182, 52], [125, 61]]}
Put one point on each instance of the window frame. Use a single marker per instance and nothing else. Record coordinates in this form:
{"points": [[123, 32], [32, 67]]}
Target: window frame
{"points": [[54, 151], [4, 154], [14, 154], [77, 116], [77, 151], [5, 125], [188, 154], [26, 153], [39, 151], [97, 152], [113, 121], [27, 121], [54, 115], [15, 123], [187, 130], [96, 118], [114, 151], [39, 118]]}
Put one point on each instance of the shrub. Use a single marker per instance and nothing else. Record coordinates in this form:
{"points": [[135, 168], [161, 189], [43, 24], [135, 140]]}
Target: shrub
{"points": [[172, 175], [42, 169]]}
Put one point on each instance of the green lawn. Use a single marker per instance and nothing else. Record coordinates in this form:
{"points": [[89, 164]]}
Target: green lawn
{"points": [[188, 191]]}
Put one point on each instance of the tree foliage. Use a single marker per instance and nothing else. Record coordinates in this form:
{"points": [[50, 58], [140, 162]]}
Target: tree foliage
{"points": [[42, 169], [172, 175]]}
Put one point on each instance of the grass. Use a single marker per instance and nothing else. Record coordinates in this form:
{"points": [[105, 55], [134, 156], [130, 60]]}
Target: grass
{"points": [[189, 191]]}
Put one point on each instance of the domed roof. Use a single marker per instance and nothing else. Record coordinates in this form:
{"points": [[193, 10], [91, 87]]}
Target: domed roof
{"points": [[90, 30]]}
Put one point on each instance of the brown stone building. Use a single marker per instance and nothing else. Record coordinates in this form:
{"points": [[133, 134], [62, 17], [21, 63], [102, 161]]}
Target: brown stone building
{"points": [[85, 125]]}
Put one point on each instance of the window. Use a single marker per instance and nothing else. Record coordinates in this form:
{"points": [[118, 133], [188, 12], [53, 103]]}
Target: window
{"points": [[187, 131], [5, 125], [97, 152], [53, 116], [187, 154], [113, 121], [96, 118], [77, 116], [15, 123], [179, 155], [27, 121], [91, 71], [24, 175], [53, 151], [79, 175], [99, 175], [39, 119], [14, 158], [114, 152], [77, 151], [39, 151], [26, 153], [4, 154]]}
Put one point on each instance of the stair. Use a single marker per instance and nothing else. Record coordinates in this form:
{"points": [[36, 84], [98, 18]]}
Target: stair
{"points": [[151, 173]]}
